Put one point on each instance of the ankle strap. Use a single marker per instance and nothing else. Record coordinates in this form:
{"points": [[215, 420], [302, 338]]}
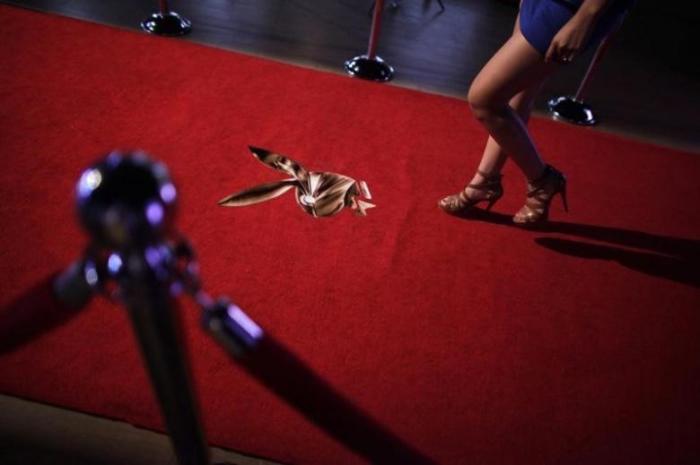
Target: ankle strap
{"points": [[550, 176], [490, 182], [536, 183]]}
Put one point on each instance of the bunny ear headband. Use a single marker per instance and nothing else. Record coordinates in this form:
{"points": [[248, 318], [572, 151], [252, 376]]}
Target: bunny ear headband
{"points": [[317, 193]]}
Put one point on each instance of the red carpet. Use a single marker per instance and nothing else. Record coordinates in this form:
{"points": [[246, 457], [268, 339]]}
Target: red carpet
{"points": [[475, 342]]}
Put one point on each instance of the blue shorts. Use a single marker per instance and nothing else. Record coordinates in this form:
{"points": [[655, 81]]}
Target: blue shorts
{"points": [[540, 20]]}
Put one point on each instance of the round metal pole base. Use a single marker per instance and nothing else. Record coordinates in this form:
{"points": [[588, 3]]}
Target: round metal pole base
{"points": [[373, 69], [572, 111], [166, 24]]}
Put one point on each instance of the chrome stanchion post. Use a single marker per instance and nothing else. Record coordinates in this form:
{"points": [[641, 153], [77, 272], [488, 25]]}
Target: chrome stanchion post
{"points": [[158, 328], [126, 204], [371, 66], [574, 109], [166, 22]]}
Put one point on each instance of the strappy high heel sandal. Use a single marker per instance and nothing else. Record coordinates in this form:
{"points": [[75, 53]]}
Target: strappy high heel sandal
{"points": [[461, 203], [539, 197]]}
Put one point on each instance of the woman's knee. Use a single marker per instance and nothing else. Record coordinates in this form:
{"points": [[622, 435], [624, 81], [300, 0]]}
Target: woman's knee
{"points": [[483, 105]]}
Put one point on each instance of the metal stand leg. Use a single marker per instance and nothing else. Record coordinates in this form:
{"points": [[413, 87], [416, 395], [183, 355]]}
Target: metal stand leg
{"points": [[158, 329], [166, 22], [278, 369], [574, 109], [370, 66]]}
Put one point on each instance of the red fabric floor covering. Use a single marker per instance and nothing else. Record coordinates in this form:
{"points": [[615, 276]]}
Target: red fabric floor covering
{"points": [[475, 342]]}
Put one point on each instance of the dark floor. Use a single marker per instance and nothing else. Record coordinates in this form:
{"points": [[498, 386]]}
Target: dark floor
{"points": [[648, 87], [37, 434]]}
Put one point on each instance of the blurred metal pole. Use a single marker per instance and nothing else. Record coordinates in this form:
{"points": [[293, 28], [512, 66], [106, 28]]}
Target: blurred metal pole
{"points": [[375, 29], [158, 329], [371, 66]]}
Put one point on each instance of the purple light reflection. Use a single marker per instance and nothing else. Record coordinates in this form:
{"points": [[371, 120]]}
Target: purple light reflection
{"points": [[153, 256], [114, 263], [89, 181], [168, 193], [154, 213], [244, 322]]}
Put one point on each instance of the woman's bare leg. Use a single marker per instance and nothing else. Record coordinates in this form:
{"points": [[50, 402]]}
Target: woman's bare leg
{"points": [[501, 98], [517, 69], [494, 157]]}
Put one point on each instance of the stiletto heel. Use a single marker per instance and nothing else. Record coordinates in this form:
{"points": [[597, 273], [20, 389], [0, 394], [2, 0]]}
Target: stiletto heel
{"points": [[539, 197], [563, 198], [491, 203], [461, 203]]}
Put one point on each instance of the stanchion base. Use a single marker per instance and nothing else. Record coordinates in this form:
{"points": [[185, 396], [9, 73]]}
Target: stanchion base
{"points": [[167, 24], [373, 69], [572, 111]]}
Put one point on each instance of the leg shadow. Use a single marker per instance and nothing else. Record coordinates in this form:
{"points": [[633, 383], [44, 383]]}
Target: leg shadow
{"points": [[663, 266], [667, 257]]}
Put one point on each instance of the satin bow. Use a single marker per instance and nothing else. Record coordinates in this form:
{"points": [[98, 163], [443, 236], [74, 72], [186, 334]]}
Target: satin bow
{"points": [[317, 193]]}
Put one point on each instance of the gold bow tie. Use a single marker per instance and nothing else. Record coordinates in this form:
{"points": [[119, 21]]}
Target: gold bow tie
{"points": [[317, 193]]}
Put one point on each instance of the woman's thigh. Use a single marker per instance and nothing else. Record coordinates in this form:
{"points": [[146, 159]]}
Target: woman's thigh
{"points": [[516, 66], [540, 20]]}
